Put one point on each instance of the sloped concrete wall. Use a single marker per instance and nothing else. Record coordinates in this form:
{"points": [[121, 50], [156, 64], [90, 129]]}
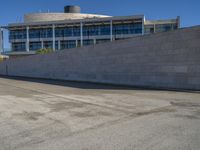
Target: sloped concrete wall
{"points": [[163, 60]]}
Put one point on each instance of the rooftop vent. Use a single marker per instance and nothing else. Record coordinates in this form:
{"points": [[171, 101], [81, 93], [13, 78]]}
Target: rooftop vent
{"points": [[72, 9]]}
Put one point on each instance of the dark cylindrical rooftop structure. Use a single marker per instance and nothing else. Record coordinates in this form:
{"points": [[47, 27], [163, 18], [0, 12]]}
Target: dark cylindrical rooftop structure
{"points": [[72, 9]]}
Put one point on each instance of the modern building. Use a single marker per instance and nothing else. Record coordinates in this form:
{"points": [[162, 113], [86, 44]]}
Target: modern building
{"points": [[72, 29]]}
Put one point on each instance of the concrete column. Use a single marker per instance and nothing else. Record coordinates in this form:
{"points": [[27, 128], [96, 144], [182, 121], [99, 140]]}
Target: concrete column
{"points": [[42, 44], [111, 30], [143, 28], [27, 39], [53, 37], [59, 46], [1, 40], [171, 26], [81, 33], [76, 43], [95, 41]]}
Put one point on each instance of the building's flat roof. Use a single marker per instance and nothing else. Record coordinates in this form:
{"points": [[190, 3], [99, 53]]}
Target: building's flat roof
{"points": [[44, 17], [89, 20], [76, 21]]}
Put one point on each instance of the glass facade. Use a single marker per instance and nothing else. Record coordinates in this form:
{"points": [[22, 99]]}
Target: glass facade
{"points": [[88, 42], [121, 29], [160, 28], [21, 46], [69, 36], [149, 29], [17, 34], [56, 45], [48, 44], [67, 32], [68, 44], [33, 46], [165, 27], [96, 30], [92, 30], [118, 29], [40, 33]]}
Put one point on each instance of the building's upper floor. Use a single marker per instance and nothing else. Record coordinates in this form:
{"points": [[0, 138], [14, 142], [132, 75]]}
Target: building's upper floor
{"points": [[91, 27], [53, 29]]}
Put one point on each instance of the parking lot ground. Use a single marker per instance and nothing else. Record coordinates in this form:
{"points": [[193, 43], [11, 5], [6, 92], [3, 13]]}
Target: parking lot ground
{"points": [[40, 114]]}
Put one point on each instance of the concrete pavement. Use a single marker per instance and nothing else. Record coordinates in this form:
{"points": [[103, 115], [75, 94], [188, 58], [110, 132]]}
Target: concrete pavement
{"points": [[56, 115]]}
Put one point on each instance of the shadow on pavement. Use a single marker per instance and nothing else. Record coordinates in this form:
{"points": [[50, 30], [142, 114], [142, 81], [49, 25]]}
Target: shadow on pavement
{"points": [[90, 85]]}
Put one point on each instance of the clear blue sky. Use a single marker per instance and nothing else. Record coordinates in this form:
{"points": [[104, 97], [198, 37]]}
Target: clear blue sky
{"points": [[189, 10]]}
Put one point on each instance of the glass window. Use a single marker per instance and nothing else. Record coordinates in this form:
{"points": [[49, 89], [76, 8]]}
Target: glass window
{"points": [[56, 45], [90, 30], [149, 29], [104, 30], [40, 33], [134, 28], [174, 26], [19, 46], [67, 32], [59, 32], [163, 27], [76, 31], [46, 33], [68, 44], [48, 44], [34, 34], [35, 46], [88, 42], [18, 34]]}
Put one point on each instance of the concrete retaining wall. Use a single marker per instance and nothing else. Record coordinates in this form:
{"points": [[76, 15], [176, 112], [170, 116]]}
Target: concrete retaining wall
{"points": [[163, 60]]}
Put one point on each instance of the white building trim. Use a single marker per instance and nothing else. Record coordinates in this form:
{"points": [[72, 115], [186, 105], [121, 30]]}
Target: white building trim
{"points": [[27, 39]]}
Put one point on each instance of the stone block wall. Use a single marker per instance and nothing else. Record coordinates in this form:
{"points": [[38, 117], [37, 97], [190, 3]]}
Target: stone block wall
{"points": [[163, 60]]}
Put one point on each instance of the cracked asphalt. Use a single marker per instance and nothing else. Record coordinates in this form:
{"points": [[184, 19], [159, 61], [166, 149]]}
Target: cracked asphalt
{"points": [[55, 115]]}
